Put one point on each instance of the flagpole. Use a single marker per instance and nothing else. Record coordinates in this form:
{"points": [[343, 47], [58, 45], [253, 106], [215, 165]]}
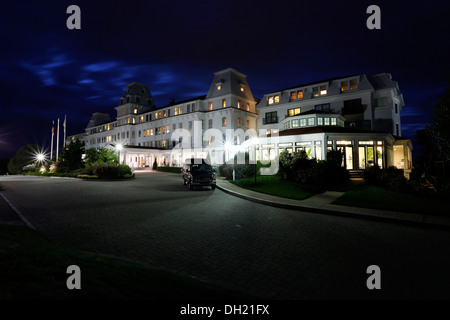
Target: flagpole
{"points": [[65, 130], [53, 133], [57, 141]]}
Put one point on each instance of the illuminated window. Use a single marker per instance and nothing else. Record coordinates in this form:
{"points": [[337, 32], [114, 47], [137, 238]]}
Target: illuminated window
{"points": [[151, 132], [311, 121], [326, 121], [142, 119], [294, 123], [134, 120], [293, 112], [159, 130], [239, 122], [219, 87], [274, 99], [224, 103], [145, 133], [248, 124], [323, 90], [165, 114], [210, 106], [300, 94], [210, 140], [242, 89], [333, 121], [176, 111], [319, 121], [164, 130], [353, 84], [294, 95], [239, 104], [302, 122], [159, 114], [248, 106], [344, 85], [156, 115], [164, 143], [135, 110], [224, 122], [123, 111]]}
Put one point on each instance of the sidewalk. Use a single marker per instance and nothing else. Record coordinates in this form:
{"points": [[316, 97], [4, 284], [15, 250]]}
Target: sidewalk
{"points": [[321, 203]]}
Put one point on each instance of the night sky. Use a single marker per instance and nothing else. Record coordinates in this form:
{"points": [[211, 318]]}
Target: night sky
{"points": [[48, 71]]}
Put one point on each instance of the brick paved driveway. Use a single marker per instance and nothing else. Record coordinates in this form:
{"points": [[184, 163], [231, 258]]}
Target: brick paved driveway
{"points": [[267, 251]]}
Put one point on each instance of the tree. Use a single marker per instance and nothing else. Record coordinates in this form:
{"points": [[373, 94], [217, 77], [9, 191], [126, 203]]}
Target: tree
{"points": [[71, 157], [24, 156], [103, 155], [439, 128]]}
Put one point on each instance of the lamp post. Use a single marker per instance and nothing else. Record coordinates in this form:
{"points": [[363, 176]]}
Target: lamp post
{"points": [[118, 148]]}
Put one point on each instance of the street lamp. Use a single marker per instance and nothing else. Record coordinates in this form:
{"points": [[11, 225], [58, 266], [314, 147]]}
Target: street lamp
{"points": [[119, 147], [40, 157]]}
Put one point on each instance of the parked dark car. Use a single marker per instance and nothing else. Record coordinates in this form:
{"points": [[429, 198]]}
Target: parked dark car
{"points": [[198, 172]]}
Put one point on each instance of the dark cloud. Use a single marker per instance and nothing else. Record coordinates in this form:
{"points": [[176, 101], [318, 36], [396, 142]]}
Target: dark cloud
{"points": [[47, 71]]}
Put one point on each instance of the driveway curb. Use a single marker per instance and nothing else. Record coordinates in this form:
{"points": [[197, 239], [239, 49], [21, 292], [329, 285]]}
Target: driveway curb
{"points": [[354, 212]]}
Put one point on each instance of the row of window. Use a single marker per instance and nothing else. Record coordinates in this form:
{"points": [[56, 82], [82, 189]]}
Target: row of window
{"points": [[321, 121], [166, 129], [317, 91]]}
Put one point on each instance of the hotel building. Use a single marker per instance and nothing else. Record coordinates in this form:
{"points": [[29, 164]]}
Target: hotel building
{"points": [[359, 115]]}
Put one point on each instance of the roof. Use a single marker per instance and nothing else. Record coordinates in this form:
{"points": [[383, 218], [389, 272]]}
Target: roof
{"points": [[183, 101]]}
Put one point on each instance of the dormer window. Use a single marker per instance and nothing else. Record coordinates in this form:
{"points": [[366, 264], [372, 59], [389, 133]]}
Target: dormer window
{"points": [[274, 99], [123, 111], [219, 87], [349, 84], [135, 110], [322, 90]]}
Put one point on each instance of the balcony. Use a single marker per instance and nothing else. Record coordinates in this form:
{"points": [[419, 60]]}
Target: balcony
{"points": [[270, 120]]}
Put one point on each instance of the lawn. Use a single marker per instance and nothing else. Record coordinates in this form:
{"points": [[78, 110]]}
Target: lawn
{"points": [[276, 186], [31, 267], [374, 197]]}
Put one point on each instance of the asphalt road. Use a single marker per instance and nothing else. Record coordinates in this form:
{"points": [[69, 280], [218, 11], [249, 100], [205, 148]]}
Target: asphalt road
{"points": [[271, 252]]}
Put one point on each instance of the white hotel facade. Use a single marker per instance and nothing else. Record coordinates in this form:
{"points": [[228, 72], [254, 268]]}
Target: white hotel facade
{"points": [[359, 115]]}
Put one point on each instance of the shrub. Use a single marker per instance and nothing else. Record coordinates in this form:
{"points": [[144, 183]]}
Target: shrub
{"points": [[169, 169], [104, 170], [373, 175], [124, 169]]}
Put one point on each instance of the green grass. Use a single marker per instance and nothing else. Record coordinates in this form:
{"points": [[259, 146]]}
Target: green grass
{"points": [[31, 267], [374, 197], [276, 186]]}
